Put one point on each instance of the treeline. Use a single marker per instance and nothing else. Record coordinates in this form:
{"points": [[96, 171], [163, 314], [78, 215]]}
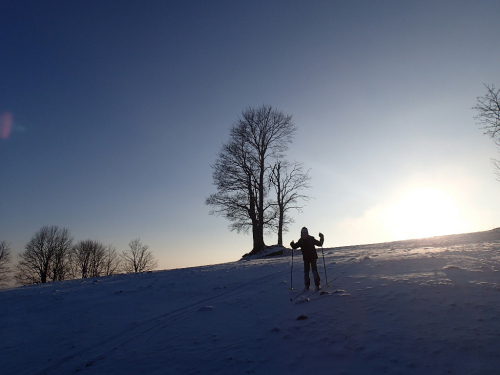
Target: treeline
{"points": [[51, 255]]}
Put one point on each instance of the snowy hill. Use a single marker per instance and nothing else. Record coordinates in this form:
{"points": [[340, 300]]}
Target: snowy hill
{"points": [[410, 307]]}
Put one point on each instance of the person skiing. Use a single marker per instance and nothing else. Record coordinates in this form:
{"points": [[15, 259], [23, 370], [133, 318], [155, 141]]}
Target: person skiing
{"points": [[309, 255]]}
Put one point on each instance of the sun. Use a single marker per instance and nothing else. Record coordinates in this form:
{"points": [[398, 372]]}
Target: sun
{"points": [[422, 212]]}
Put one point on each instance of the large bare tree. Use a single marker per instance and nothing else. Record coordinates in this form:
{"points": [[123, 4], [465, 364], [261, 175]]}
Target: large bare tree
{"points": [[241, 172], [5, 257], [137, 258], [46, 256], [288, 180], [488, 117]]}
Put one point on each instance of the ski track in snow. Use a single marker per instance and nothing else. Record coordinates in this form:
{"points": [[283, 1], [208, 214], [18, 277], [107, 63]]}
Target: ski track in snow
{"points": [[115, 342], [410, 307]]}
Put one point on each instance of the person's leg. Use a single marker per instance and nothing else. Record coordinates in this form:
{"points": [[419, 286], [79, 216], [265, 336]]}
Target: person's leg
{"points": [[315, 272], [307, 280]]}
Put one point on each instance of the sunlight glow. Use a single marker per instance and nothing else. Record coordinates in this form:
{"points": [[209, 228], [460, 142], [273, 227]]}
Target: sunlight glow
{"points": [[422, 212]]}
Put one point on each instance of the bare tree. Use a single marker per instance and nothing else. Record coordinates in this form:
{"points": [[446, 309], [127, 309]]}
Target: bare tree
{"points": [[488, 117], [241, 171], [112, 261], [288, 179], [88, 259], [46, 257], [137, 258], [5, 257]]}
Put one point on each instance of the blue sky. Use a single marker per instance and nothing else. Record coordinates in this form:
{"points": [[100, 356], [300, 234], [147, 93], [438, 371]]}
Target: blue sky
{"points": [[120, 107]]}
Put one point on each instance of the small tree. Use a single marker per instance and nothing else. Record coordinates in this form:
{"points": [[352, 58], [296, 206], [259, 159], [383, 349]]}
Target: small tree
{"points": [[137, 258], [88, 259], [288, 179], [112, 261], [46, 257], [5, 257], [488, 117]]}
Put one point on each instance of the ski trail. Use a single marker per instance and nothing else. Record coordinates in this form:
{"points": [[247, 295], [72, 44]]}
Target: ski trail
{"points": [[86, 357], [90, 355]]}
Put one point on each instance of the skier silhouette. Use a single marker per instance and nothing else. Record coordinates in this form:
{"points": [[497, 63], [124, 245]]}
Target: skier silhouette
{"points": [[309, 255]]}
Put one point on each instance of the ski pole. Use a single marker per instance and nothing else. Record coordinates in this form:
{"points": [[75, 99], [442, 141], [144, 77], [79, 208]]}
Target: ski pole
{"points": [[291, 274], [324, 265]]}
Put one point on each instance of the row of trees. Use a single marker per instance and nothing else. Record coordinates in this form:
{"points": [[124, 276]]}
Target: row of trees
{"points": [[256, 186], [50, 255]]}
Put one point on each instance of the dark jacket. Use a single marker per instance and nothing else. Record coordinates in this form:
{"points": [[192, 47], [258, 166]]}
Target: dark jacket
{"points": [[307, 246]]}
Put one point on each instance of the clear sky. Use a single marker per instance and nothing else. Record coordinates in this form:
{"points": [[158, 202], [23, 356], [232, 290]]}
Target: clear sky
{"points": [[113, 111]]}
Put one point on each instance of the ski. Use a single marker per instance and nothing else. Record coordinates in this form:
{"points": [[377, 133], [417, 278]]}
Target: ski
{"points": [[308, 297], [308, 293], [298, 295]]}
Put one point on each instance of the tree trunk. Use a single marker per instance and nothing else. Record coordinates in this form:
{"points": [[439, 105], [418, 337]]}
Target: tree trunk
{"points": [[258, 226], [258, 238], [280, 228]]}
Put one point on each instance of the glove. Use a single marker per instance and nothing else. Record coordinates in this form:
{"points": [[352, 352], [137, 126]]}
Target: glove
{"points": [[292, 243], [321, 235]]}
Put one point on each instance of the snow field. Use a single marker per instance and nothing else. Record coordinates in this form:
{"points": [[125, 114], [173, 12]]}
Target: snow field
{"points": [[410, 307]]}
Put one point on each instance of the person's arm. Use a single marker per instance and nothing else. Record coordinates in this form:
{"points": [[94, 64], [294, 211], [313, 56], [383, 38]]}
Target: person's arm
{"points": [[321, 240], [295, 245]]}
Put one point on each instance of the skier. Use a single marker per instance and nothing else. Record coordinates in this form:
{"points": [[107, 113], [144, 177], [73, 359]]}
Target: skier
{"points": [[309, 255]]}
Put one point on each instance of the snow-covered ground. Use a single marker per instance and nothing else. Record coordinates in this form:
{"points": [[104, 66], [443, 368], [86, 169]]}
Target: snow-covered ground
{"points": [[412, 307]]}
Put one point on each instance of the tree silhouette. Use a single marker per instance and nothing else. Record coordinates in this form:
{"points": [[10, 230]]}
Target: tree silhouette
{"points": [[88, 259], [288, 179], [488, 117], [45, 257], [5, 257], [137, 258], [112, 261], [241, 172]]}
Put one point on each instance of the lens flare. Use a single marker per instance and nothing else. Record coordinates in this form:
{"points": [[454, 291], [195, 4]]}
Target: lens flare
{"points": [[5, 125]]}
